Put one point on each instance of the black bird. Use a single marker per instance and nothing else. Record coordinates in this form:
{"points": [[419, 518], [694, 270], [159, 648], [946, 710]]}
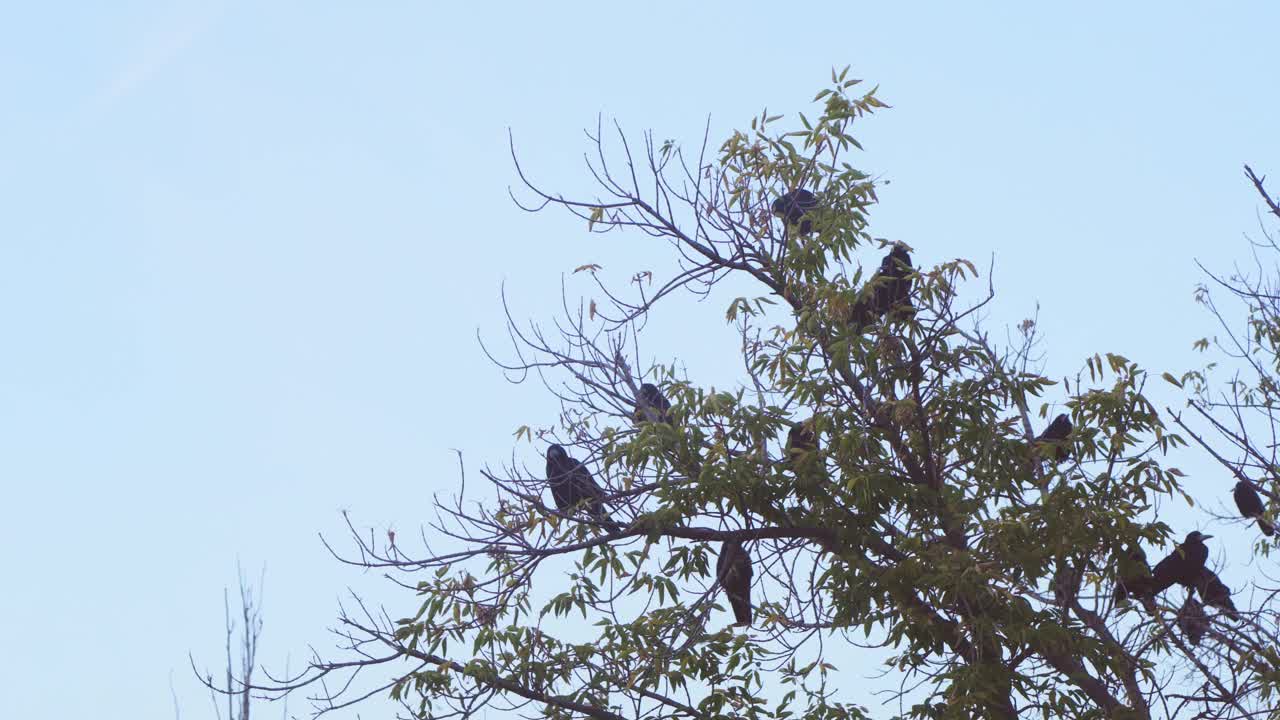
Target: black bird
{"points": [[572, 485], [733, 572], [888, 290], [894, 288], [793, 206], [801, 440], [1192, 621], [1215, 593], [1135, 579], [1066, 583], [862, 313], [1057, 432], [803, 459], [651, 398], [1250, 506], [1183, 565]]}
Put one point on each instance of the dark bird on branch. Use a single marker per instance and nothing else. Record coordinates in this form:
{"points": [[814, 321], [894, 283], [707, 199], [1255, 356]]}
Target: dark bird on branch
{"points": [[650, 398], [1183, 565], [801, 441], [733, 572], [1056, 434], [1215, 593], [889, 290], [1192, 621], [894, 288], [793, 206], [572, 485], [803, 459], [1066, 583], [1250, 506], [1135, 579]]}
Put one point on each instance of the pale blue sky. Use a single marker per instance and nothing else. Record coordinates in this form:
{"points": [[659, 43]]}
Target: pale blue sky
{"points": [[245, 247]]}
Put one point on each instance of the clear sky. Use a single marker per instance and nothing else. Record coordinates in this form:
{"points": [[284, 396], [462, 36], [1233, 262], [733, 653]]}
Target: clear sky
{"points": [[245, 249]]}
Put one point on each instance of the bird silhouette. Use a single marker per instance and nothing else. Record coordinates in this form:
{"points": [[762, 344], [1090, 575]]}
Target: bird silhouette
{"points": [[1192, 621], [801, 441], [1135, 579], [1183, 565], [651, 398], [1215, 593], [572, 485], [793, 206], [1250, 506], [894, 288], [1066, 583], [888, 290], [803, 459], [733, 572], [1057, 433]]}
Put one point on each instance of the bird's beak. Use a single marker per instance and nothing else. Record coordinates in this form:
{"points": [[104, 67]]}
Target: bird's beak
{"points": [[1206, 537]]}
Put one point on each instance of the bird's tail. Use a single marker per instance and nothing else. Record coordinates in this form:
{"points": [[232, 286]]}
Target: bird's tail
{"points": [[1267, 528], [1147, 600], [741, 610], [607, 522]]}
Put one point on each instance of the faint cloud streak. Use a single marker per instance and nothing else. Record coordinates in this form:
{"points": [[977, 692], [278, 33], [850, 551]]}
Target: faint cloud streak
{"points": [[152, 56]]}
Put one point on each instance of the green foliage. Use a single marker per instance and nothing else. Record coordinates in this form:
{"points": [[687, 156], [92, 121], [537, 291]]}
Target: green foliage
{"points": [[929, 523]]}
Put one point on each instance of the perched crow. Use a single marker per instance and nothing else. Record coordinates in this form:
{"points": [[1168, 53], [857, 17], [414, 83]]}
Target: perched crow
{"points": [[1135, 579], [1057, 433], [1183, 565], [888, 290], [1192, 621], [793, 206], [860, 315], [894, 288], [651, 398], [1066, 584], [801, 440], [1215, 593], [1250, 506], [803, 459], [733, 572], [571, 485]]}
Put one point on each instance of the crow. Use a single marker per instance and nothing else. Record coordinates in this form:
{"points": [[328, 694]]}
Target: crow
{"points": [[1066, 584], [1057, 433], [1192, 621], [861, 314], [1183, 565], [1215, 593], [894, 288], [572, 485], [733, 572], [801, 440], [888, 290], [803, 459], [1250, 506], [793, 206], [651, 398], [1135, 579]]}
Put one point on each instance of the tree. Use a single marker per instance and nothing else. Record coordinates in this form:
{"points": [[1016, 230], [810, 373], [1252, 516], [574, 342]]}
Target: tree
{"points": [[236, 686], [1243, 413], [926, 518], [1235, 421]]}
